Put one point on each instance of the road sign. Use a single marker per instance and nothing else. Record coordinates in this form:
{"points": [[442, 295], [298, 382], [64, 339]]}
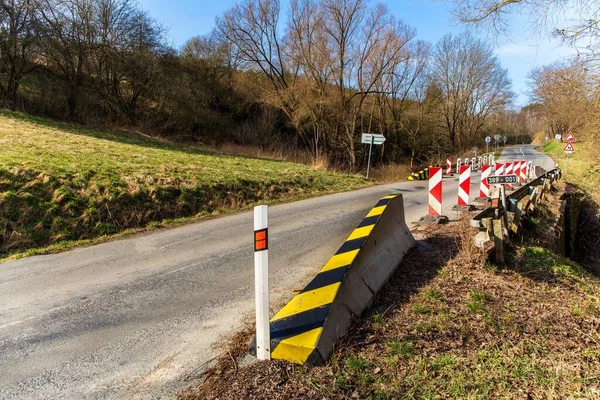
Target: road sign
{"points": [[569, 149], [488, 139], [502, 179], [570, 137], [372, 138], [558, 136], [497, 137], [505, 139]]}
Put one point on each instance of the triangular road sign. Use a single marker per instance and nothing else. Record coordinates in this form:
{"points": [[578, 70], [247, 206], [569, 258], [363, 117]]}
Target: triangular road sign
{"points": [[570, 137], [569, 148]]}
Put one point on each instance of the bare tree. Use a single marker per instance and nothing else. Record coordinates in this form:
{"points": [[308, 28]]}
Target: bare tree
{"points": [[577, 22], [565, 92], [18, 36], [472, 82]]}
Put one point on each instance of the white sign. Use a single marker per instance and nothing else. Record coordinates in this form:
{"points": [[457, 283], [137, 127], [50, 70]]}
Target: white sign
{"points": [[558, 136], [497, 137], [372, 138], [488, 139]]}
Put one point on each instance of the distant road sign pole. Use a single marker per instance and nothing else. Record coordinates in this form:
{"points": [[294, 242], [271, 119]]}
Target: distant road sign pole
{"points": [[569, 149], [261, 282], [487, 144], [371, 139], [370, 151]]}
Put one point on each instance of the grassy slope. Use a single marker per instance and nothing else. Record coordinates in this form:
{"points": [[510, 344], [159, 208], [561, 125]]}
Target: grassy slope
{"points": [[449, 325], [61, 183], [583, 167]]}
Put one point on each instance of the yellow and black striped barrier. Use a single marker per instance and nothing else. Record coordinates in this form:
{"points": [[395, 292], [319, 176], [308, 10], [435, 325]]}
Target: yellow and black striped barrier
{"points": [[305, 330], [421, 175]]}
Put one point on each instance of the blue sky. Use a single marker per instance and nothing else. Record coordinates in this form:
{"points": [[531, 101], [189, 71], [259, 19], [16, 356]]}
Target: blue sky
{"points": [[187, 18]]}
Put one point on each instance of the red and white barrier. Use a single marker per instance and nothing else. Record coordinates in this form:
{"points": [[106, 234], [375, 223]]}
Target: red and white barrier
{"points": [[458, 164], [523, 171], [435, 191], [499, 169], [484, 190], [464, 186], [449, 166], [508, 168], [473, 165]]}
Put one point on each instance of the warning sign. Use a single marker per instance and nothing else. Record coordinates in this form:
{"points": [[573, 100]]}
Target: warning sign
{"points": [[569, 149], [570, 137]]}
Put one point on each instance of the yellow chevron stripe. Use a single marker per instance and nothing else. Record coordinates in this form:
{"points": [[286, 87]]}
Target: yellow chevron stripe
{"points": [[361, 232], [376, 211], [391, 196], [340, 260], [308, 300], [297, 348]]}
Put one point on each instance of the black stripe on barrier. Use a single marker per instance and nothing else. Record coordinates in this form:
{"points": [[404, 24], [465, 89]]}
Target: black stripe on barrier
{"points": [[353, 244], [299, 323], [326, 278], [383, 202], [369, 221]]}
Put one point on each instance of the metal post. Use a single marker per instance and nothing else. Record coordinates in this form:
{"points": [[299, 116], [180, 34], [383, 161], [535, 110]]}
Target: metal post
{"points": [[261, 282], [370, 151], [567, 167]]}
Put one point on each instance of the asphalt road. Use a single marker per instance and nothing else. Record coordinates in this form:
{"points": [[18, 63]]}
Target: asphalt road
{"points": [[135, 318]]}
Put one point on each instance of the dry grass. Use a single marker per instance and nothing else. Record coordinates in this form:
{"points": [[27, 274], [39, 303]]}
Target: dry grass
{"points": [[390, 173], [448, 325]]}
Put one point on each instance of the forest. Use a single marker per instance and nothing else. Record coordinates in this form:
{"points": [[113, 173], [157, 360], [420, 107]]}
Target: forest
{"points": [[308, 78]]}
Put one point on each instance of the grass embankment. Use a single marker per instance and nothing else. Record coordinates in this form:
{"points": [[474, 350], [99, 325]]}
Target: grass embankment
{"points": [[62, 183], [449, 325], [583, 167]]}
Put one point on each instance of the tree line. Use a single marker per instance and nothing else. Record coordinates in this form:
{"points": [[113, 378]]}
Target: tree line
{"points": [[312, 77]]}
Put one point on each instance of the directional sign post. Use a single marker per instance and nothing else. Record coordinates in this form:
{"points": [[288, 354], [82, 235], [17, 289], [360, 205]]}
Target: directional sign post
{"points": [[487, 144], [371, 139], [496, 139]]}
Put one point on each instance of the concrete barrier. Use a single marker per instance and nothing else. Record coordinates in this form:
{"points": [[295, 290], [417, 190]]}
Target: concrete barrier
{"points": [[307, 328]]}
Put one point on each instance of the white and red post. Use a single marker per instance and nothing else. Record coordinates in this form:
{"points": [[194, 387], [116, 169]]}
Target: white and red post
{"points": [[458, 164], [435, 191], [449, 166], [261, 282], [523, 171], [484, 189], [499, 169], [529, 169], [464, 186]]}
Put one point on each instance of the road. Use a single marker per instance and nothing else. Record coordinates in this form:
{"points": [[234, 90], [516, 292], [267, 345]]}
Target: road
{"points": [[134, 318]]}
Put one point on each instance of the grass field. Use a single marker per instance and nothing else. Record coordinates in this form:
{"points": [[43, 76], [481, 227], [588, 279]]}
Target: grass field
{"points": [[62, 183]]}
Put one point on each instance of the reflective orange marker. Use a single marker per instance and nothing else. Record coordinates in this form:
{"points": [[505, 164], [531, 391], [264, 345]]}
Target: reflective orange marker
{"points": [[261, 241]]}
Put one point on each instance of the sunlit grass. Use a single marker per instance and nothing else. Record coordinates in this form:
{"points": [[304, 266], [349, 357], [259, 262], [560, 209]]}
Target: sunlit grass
{"points": [[61, 183]]}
